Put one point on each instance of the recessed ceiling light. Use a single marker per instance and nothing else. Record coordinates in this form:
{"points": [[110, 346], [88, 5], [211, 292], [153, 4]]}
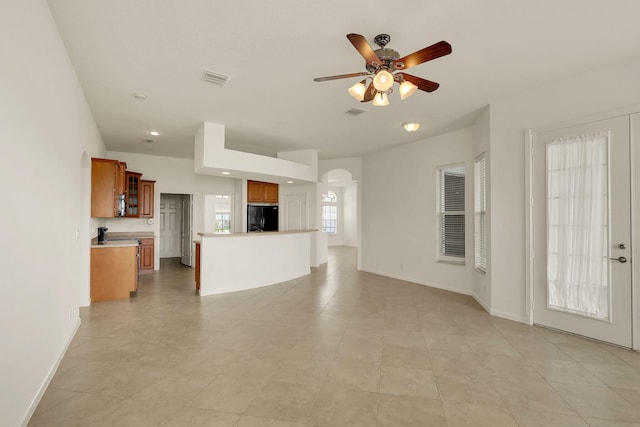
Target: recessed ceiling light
{"points": [[289, 182], [148, 140], [154, 133], [411, 127], [225, 173], [140, 96]]}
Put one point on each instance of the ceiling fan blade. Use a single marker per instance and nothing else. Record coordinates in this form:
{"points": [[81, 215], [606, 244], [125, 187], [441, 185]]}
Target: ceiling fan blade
{"points": [[423, 84], [423, 55], [362, 46], [341, 76], [370, 93]]}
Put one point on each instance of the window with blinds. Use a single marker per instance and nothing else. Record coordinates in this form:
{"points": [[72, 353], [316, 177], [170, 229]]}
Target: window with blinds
{"points": [[480, 212], [451, 213]]}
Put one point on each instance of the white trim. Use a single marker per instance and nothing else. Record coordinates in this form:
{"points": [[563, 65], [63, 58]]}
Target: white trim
{"points": [[47, 380], [635, 208], [481, 302], [418, 281], [510, 316], [528, 235], [634, 157]]}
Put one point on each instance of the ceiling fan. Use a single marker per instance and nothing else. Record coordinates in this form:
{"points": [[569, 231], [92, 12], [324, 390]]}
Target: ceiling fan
{"points": [[385, 66]]}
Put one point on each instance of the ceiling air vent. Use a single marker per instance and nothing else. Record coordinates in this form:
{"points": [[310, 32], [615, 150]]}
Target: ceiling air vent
{"points": [[215, 78], [355, 112]]}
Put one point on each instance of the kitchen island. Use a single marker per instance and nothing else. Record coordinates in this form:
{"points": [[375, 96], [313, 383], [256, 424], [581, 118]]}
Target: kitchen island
{"points": [[240, 261]]}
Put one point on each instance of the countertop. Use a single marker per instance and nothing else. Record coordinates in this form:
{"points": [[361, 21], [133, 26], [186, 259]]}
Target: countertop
{"points": [[131, 241], [263, 233]]}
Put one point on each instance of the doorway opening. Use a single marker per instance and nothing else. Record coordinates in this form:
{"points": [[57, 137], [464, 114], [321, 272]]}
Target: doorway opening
{"points": [[176, 219]]}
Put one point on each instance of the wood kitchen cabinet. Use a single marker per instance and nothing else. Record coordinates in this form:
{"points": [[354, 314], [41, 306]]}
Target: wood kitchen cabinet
{"points": [[107, 181], [114, 272], [146, 194], [197, 266], [262, 192], [133, 194], [146, 256]]}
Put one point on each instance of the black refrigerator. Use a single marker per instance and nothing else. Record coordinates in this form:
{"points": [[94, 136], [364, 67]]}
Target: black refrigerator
{"points": [[262, 218]]}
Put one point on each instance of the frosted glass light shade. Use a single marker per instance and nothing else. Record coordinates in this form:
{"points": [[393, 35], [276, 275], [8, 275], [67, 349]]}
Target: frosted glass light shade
{"points": [[383, 81], [380, 100], [407, 89], [357, 90]]}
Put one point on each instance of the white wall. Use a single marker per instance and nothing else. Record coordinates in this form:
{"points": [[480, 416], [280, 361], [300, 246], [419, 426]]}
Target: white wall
{"points": [[47, 130], [350, 216], [399, 220], [481, 132], [337, 239], [593, 92], [172, 176]]}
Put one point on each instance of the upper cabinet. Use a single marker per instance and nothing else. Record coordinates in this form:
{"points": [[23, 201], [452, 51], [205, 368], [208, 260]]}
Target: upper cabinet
{"points": [[262, 192], [146, 191], [107, 183], [133, 194], [116, 192]]}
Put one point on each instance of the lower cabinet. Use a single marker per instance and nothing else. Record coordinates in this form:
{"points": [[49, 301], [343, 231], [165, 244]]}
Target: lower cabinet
{"points": [[146, 256], [197, 266], [114, 272]]}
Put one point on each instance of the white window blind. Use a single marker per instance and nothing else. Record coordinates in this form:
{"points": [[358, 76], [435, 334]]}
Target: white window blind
{"points": [[480, 212], [451, 212]]}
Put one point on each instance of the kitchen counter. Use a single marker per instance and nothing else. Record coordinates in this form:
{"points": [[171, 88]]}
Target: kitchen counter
{"points": [[115, 239], [254, 233], [252, 260]]}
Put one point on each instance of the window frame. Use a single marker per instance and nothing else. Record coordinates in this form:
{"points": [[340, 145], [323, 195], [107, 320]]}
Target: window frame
{"points": [[480, 213], [330, 199], [441, 213]]}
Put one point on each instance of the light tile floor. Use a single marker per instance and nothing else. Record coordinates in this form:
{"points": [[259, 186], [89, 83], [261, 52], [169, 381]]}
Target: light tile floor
{"points": [[336, 348]]}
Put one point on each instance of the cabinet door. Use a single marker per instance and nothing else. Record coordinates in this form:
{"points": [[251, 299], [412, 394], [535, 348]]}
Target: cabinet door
{"points": [[271, 193], [132, 194], [121, 172], [147, 189], [103, 188], [255, 191], [146, 256]]}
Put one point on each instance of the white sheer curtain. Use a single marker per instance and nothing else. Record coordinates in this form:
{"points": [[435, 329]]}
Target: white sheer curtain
{"points": [[577, 225]]}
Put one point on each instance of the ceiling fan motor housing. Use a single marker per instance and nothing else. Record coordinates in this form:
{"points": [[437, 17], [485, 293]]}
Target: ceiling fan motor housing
{"points": [[387, 57]]}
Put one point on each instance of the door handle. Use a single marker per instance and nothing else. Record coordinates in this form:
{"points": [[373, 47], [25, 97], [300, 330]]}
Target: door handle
{"points": [[620, 259]]}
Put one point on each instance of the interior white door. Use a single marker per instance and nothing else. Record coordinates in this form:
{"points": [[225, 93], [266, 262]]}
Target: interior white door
{"points": [[294, 212], [170, 226], [185, 232], [555, 246]]}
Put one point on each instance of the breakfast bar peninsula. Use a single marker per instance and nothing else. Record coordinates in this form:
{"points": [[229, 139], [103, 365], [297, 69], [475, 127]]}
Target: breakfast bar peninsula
{"points": [[239, 261]]}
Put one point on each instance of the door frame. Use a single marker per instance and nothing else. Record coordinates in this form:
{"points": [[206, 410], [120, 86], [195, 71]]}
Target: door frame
{"points": [[635, 210]]}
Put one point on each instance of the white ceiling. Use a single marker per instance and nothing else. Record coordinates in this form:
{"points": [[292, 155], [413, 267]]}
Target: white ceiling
{"points": [[273, 50]]}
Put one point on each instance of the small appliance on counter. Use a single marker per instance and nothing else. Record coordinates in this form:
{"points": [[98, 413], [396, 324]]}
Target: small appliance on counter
{"points": [[102, 235]]}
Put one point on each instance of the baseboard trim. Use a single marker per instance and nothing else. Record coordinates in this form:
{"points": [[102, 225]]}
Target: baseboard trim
{"points": [[419, 282], [45, 384], [508, 316], [481, 302]]}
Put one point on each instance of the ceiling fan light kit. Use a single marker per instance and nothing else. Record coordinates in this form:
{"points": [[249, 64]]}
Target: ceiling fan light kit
{"points": [[358, 90], [381, 65], [383, 81], [380, 100], [407, 89]]}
